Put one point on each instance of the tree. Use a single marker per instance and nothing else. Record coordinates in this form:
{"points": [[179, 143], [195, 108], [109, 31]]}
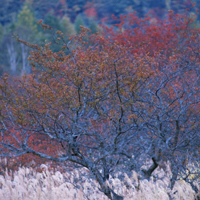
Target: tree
{"points": [[52, 20], [78, 22], [109, 101], [93, 26], [67, 27], [26, 29], [12, 53], [10, 50]]}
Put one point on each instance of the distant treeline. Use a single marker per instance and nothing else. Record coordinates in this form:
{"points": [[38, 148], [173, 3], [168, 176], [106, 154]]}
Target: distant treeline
{"points": [[20, 17], [99, 9]]}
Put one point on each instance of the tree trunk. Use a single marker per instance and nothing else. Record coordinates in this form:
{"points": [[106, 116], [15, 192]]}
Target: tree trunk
{"points": [[147, 173], [104, 186], [24, 58], [174, 176], [12, 57]]}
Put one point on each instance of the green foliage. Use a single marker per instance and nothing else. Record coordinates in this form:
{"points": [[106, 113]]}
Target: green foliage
{"points": [[78, 22], [52, 20], [93, 26], [26, 18], [67, 26]]}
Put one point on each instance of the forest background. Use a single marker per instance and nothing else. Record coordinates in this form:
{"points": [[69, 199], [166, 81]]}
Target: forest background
{"points": [[20, 17]]}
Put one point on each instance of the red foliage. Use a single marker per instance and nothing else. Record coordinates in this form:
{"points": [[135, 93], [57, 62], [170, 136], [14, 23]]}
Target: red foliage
{"points": [[139, 50], [90, 10], [91, 13]]}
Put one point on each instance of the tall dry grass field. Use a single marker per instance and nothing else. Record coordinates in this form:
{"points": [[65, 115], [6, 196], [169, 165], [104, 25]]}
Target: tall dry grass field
{"points": [[28, 184]]}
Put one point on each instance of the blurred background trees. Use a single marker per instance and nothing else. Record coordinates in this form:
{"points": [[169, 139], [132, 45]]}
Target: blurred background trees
{"points": [[20, 16]]}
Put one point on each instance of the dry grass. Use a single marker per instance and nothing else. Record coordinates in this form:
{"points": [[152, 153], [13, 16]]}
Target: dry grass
{"points": [[27, 184]]}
